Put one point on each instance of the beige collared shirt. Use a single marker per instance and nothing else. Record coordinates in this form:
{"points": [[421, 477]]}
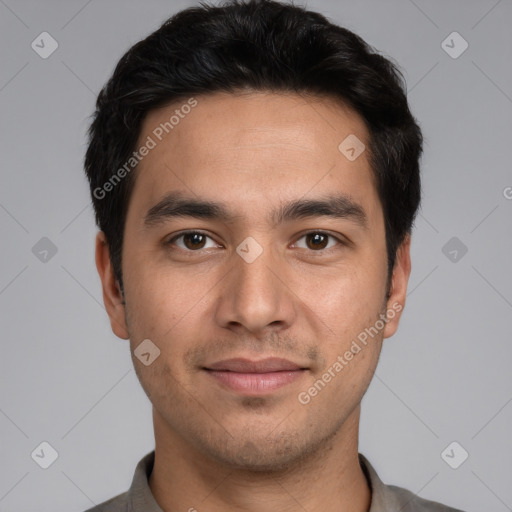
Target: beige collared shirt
{"points": [[385, 498]]}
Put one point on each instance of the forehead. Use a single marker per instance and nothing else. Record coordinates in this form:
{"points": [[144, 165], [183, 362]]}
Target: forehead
{"points": [[252, 149]]}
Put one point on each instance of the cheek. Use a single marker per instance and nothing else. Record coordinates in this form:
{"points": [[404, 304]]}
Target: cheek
{"points": [[346, 299], [158, 300], [340, 386]]}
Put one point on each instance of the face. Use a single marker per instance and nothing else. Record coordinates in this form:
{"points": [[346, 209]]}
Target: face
{"points": [[249, 236]]}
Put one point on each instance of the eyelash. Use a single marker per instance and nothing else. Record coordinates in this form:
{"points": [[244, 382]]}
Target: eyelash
{"points": [[314, 231]]}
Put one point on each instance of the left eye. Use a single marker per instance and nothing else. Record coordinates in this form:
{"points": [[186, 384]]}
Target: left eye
{"points": [[318, 240], [192, 240]]}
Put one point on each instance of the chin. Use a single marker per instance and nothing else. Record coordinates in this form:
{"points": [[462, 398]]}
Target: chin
{"points": [[255, 461], [263, 455]]}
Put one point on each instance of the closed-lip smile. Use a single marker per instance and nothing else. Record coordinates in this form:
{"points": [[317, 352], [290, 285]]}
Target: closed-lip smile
{"points": [[255, 377]]}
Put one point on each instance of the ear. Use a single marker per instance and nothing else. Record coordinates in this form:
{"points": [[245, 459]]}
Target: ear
{"points": [[398, 287], [112, 296]]}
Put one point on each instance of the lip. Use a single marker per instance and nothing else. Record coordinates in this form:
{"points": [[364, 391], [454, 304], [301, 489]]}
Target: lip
{"points": [[241, 365], [254, 378]]}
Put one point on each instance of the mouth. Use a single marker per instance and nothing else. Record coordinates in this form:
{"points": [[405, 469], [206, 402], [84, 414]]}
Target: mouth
{"points": [[253, 378]]}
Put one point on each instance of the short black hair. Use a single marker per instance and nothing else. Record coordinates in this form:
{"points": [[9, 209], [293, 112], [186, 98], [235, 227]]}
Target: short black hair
{"points": [[260, 45]]}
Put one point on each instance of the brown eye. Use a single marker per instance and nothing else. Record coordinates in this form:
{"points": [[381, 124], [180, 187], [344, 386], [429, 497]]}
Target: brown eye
{"points": [[194, 240], [318, 241], [191, 241]]}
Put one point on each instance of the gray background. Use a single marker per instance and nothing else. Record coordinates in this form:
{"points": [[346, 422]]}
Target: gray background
{"points": [[445, 376]]}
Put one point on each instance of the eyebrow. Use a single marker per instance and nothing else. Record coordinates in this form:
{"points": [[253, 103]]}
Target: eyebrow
{"points": [[175, 204]]}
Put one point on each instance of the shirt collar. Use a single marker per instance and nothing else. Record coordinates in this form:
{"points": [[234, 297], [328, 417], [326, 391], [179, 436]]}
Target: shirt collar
{"points": [[384, 497], [141, 499]]}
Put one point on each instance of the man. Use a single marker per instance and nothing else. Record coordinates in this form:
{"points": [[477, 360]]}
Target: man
{"points": [[255, 175]]}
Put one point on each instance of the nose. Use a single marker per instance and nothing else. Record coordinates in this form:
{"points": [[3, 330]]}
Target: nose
{"points": [[255, 296]]}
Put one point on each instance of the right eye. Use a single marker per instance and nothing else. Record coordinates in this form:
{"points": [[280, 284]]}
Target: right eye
{"points": [[192, 241]]}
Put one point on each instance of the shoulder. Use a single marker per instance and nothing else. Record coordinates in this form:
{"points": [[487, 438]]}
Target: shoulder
{"points": [[411, 502], [392, 497], [138, 497], [116, 504]]}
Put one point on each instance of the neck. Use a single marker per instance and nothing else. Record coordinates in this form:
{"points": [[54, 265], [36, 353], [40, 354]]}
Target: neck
{"points": [[329, 479]]}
